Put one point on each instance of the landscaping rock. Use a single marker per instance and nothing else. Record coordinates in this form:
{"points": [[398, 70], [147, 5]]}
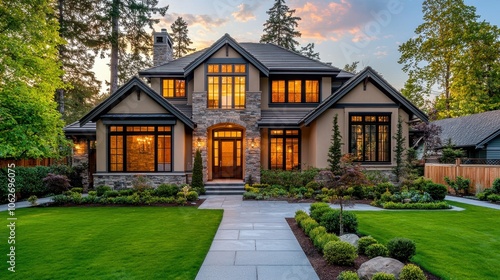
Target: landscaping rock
{"points": [[350, 238], [380, 264]]}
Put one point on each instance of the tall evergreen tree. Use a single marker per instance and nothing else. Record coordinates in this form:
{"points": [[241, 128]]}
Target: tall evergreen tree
{"points": [[308, 51], [181, 41], [351, 67], [30, 125], [197, 180], [280, 27], [76, 27], [334, 152], [399, 150], [121, 27]]}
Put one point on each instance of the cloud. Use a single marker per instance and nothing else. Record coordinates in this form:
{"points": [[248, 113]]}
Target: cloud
{"points": [[205, 21], [244, 13], [333, 20]]}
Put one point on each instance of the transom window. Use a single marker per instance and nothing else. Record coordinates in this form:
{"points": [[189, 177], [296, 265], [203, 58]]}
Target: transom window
{"points": [[140, 148], [370, 137], [173, 88], [295, 91], [284, 149], [226, 86]]}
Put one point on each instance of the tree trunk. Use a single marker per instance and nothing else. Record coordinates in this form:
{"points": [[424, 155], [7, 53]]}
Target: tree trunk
{"points": [[60, 92], [447, 90], [341, 222], [115, 15]]}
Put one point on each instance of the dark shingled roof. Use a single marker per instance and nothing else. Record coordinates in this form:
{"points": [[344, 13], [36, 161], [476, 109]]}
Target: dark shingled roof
{"points": [[74, 129], [281, 117], [269, 58], [474, 130]]}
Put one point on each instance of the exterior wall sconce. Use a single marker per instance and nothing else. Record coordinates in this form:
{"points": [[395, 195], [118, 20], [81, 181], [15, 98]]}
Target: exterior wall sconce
{"points": [[252, 144], [198, 142]]}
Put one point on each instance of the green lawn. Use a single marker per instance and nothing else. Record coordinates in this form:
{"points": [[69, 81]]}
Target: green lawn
{"points": [[450, 244], [109, 242]]}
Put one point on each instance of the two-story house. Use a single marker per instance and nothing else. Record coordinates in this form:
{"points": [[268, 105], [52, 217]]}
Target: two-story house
{"points": [[247, 107]]}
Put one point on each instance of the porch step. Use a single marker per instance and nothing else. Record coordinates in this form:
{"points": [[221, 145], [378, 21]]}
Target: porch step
{"points": [[224, 188]]}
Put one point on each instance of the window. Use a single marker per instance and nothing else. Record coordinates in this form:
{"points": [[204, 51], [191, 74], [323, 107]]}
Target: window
{"points": [[370, 137], [226, 86], [173, 88], [140, 148], [284, 149], [295, 91]]}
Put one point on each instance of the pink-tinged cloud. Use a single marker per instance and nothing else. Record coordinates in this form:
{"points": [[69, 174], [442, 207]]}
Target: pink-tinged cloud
{"points": [[205, 21], [244, 13], [333, 20]]}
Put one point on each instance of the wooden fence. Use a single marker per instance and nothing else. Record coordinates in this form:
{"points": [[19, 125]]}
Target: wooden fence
{"points": [[481, 176]]}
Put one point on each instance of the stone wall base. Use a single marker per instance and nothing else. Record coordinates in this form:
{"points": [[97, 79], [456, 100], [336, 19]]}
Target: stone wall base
{"points": [[124, 180]]}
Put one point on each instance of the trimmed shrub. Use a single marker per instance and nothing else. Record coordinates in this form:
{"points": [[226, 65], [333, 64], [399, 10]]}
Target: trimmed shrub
{"points": [[340, 253], [418, 205], [321, 240], [78, 190], [496, 186], [494, 197], [192, 196], [375, 250], [126, 192], [331, 221], [401, 249], [318, 213], [102, 189], [300, 215], [317, 231], [288, 178], [313, 185], [181, 200], [32, 200], [111, 194], [166, 190], [308, 225], [61, 199], [364, 242], [56, 183], [436, 191], [411, 272], [92, 193], [197, 179], [317, 205], [383, 276], [348, 275]]}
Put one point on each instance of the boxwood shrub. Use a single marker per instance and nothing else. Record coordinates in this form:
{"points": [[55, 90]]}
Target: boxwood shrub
{"points": [[364, 242], [348, 275], [437, 191], [318, 213], [401, 249], [331, 221], [417, 205], [375, 250], [340, 253], [321, 240], [383, 276], [317, 231], [411, 272]]}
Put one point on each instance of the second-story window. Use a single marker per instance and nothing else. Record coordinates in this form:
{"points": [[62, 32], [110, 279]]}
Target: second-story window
{"points": [[226, 85], [294, 91], [173, 88]]}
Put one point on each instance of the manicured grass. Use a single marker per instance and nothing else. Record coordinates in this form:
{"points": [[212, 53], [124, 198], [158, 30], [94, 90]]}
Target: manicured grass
{"points": [[109, 242], [450, 244]]}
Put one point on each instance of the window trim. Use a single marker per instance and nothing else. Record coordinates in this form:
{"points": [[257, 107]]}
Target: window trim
{"points": [[221, 62], [303, 102], [389, 124], [126, 133], [284, 136], [175, 97]]}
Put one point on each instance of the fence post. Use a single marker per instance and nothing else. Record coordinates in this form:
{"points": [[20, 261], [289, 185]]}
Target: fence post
{"points": [[458, 161]]}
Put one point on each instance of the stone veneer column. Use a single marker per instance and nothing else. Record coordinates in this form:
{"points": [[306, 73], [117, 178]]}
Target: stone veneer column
{"points": [[247, 118]]}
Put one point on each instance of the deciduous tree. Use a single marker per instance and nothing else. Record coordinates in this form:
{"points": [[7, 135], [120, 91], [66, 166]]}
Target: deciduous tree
{"points": [[280, 27]]}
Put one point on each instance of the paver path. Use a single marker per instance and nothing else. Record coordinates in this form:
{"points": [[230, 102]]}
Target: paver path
{"points": [[473, 202]]}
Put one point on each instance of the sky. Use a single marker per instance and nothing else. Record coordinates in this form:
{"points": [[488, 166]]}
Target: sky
{"points": [[343, 31]]}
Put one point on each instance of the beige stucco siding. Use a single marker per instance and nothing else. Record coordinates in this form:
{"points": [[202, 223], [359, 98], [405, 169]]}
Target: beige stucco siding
{"points": [[253, 79], [156, 85], [199, 79], [101, 147], [179, 147], [326, 87], [371, 95], [264, 88], [264, 148], [133, 105]]}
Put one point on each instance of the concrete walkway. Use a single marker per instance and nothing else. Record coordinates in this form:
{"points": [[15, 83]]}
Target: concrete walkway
{"points": [[473, 202], [25, 204], [254, 241]]}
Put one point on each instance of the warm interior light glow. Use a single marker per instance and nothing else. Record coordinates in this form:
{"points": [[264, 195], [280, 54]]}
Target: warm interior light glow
{"points": [[252, 143], [199, 142]]}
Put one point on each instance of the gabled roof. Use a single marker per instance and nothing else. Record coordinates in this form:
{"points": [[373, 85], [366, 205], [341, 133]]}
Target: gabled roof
{"points": [[74, 129], [268, 58], [470, 131], [375, 78], [133, 85]]}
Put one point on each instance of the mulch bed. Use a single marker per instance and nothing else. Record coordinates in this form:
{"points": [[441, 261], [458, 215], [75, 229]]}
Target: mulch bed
{"points": [[324, 270], [190, 204]]}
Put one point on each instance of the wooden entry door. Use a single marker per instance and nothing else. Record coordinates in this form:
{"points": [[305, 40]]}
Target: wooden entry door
{"points": [[227, 155]]}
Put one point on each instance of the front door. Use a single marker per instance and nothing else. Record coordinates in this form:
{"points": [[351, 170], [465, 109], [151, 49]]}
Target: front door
{"points": [[227, 154]]}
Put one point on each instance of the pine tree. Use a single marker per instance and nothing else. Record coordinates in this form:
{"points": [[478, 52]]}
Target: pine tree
{"points": [[280, 27], [197, 181], [308, 51], [179, 34], [334, 152], [121, 27], [399, 150], [351, 67]]}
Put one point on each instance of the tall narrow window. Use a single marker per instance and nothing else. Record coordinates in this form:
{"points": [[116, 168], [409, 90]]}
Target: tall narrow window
{"points": [[312, 91], [294, 91], [284, 149], [173, 88], [278, 91], [226, 86], [370, 137]]}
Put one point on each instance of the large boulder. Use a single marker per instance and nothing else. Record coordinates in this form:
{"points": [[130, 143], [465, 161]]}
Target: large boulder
{"points": [[380, 264], [350, 238]]}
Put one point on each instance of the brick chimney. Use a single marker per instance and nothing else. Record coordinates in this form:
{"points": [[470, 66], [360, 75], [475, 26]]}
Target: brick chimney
{"points": [[162, 48]]}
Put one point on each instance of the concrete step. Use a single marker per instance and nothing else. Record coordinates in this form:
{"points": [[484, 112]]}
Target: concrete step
{"points": [[222, 188]]}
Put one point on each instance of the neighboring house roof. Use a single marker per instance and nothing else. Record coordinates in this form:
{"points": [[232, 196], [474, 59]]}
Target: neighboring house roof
{"points": [[374, 77], [133, 85], [75, 129], [270, 118], [268, 58], [470, 131]]}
